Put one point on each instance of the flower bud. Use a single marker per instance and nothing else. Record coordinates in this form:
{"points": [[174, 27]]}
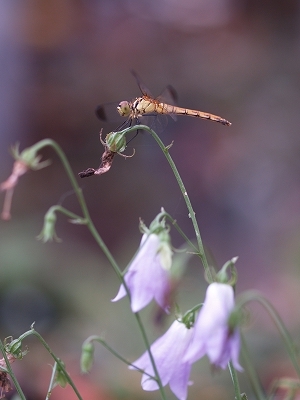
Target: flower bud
{"points": [[14, 349], [87, 357], [60, 377], [115, 142], [48, 232]]}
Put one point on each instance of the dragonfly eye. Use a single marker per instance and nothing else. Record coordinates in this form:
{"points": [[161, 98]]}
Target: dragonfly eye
{"points": [[124, 109]]}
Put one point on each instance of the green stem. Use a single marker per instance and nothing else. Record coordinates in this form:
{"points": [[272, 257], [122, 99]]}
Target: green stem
{"points": [[235, 381], [165, 150], [177, 227], [98, 239], [56, 359], [253, 377], [51, 143], [11, 373], [52, 381], [66, 212], [115, 353], [146, 341], [254, 295]]}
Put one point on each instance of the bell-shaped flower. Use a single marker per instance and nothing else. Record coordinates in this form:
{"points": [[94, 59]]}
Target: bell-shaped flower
{"points": [[148, 276], [168, 352], [213, 334]]}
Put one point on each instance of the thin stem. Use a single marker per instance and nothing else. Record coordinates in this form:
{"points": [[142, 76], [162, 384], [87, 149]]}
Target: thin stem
{"points": [[146, 341], [11, 373], [56, 359], [165, 150], [253, 377], [235, 381], [99, 241], [70, 214], [115, 353], [81, 200], [52, 381], [254, 295], [177, 227]]}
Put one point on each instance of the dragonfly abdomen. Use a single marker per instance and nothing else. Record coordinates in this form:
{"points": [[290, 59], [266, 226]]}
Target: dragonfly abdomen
{"points": [[193, 113]]}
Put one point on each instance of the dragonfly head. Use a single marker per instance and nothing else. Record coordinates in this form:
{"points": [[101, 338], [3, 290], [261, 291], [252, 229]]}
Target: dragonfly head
{"points": [[124, 109]]}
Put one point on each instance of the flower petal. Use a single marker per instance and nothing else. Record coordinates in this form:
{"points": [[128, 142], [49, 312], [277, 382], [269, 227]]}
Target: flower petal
{"points": [[121, 294], [212, 334], [180, 379], [168, 352], [145, 278]]}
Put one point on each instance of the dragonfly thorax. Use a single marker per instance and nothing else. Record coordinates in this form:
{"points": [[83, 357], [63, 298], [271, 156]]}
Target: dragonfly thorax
{"points": [[124, 108], [144, 105]]}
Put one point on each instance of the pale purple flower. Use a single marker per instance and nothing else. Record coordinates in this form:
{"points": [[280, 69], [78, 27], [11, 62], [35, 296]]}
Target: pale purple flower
{"points": [[168, 352], [213, 336], [148, 276]]}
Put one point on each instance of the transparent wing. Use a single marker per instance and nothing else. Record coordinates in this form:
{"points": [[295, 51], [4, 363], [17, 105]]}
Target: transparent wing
{"points": [[169, 96], [141, 85], [108, 112]]}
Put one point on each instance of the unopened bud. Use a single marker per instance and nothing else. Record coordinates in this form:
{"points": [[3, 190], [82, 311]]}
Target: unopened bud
{"points": [[87, 357], [116, 142]]}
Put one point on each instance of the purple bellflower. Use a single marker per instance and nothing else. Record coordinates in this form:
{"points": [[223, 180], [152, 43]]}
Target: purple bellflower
{"points": [[148, 276], [213, 335], [168, 352]]}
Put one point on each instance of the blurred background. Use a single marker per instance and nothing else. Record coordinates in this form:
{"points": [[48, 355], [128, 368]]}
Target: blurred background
{"points": [[238, 59]]}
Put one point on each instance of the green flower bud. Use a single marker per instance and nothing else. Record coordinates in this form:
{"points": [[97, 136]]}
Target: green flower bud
{"points": [[87, 357], [48, 232], [115, 142], [60, 377]]}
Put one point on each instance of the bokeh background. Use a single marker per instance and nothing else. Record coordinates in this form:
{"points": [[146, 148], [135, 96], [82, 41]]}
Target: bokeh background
{"points": [[236, 58]]}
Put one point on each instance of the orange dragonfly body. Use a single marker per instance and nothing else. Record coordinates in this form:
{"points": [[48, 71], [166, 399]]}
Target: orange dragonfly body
{"points": [[147, 105]]}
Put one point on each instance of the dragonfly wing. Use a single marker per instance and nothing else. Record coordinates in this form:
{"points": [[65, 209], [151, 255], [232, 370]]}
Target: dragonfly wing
{"points": [[157, 122], [169, 96], [108, 112], [143, 88], [100, 113]]}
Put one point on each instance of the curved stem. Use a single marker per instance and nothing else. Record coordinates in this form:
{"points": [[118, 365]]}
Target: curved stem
{"points": [[99, 241], [56, 359], [165, 150], [115, 353], [11, 373], [65, 211], [254, 295]]}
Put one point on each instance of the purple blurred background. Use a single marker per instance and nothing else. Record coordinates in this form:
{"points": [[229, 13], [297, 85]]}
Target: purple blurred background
{"points": [[236, 59]]}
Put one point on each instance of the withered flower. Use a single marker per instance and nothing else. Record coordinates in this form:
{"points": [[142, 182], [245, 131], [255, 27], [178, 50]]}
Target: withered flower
{"points": [[26, 160], [115, 143]]}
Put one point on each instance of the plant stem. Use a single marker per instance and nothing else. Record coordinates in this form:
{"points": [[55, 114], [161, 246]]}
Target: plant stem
{"points": [[89, 223], [56, 359], [256, 296], [11, 373], [52, 381], [256, 386], [165, 150], [235, 381]]}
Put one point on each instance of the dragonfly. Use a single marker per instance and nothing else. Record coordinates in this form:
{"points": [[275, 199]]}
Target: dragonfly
{"points": [[147, 105]]}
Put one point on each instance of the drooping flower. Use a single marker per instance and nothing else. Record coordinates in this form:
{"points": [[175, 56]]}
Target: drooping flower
{"points": [[24, 161], [213, 335], [148, 276], [48, 232], [168, 352]]}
